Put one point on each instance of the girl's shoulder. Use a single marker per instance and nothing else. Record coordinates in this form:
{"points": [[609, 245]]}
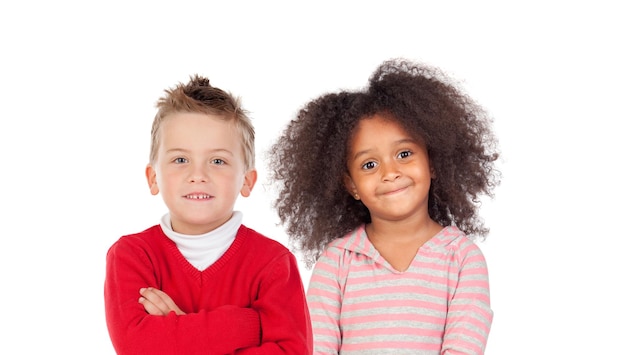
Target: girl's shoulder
{"points": [[451, 240], [354, 240], [449, 237]]}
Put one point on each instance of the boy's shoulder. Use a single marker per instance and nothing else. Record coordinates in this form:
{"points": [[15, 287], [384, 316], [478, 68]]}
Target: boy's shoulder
{"points": [[146, 237], [146, 233], [258, 240]]}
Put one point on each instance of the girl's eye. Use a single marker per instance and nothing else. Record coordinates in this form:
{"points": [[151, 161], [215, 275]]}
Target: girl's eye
{"points": [[404, 154], [180, 160], [369, 165], [218, 162]]}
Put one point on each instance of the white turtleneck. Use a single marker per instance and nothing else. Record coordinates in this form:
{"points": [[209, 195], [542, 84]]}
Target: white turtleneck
{"points": [[203, 250]]}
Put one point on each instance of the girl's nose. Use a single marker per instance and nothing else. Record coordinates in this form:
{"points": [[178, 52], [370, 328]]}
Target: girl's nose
{"points": [[390, 171]]}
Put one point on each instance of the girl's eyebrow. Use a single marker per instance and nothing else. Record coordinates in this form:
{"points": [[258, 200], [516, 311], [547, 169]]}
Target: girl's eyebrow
{"points": [[358, 154], [398, 142], [406, 140]]}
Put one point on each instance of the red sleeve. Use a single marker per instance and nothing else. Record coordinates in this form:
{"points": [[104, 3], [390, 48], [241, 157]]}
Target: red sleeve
{"points": [[133, 331], [285, 320]]}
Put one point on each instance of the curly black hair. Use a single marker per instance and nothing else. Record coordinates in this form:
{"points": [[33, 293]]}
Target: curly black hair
{"points": [[309, 160]]}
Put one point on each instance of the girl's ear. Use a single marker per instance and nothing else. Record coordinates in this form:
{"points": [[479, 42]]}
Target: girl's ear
{"points": [[350, 187], [152, 180], [248, 183]]}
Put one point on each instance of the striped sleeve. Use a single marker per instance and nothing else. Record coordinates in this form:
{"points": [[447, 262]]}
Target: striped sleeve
{"points": [[324, 299], [469, 311]]}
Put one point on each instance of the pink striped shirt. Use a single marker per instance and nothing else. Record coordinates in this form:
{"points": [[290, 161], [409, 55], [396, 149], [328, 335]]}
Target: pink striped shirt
{"points": [[440, 305]]}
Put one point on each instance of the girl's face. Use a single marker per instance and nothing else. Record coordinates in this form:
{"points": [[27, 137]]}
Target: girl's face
{"points": [[389, 170]]}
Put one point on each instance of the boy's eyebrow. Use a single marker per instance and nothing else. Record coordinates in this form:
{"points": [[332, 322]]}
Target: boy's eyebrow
{"points": [[182, 150]]}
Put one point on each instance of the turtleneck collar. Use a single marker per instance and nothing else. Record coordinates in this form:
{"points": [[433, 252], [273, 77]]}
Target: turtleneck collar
{"points": [[203, 250]]}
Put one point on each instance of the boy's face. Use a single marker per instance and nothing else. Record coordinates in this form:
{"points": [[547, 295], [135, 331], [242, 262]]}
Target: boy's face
{"points": [[199, 171]]}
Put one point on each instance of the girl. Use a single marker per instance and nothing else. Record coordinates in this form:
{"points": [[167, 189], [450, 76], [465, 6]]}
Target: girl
{"points": [[380, 189]]}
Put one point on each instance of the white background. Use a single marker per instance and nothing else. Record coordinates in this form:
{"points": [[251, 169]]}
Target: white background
{"points": [[79, 81]]}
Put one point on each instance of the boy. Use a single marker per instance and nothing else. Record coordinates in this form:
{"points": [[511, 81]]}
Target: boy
{"points": [[200, 281]]}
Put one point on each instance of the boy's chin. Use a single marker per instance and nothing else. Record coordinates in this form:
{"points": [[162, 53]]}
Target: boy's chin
{"points": [[199, 225]]}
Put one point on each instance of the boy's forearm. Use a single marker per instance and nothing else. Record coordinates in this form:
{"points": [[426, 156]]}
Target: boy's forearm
{"points": [[283, 311], [222, 330]]}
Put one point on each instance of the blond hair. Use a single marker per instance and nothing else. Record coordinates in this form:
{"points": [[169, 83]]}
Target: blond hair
{"points": [[198, 96]]}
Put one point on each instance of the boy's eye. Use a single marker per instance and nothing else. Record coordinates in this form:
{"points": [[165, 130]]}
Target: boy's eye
{"points": [[180, 160], [369, 165], [404, 154], [218, 161]]}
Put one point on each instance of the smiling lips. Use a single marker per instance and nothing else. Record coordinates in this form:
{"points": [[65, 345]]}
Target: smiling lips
{"points": [[198, 196], [391, 192]]}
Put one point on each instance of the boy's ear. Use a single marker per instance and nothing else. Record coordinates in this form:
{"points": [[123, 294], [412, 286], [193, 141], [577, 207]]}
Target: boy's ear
{"points": [[152, 180], [249, 180]]}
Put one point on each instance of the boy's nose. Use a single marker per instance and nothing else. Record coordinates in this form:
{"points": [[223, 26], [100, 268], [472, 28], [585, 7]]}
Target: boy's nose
{"points": [[198, 174]]}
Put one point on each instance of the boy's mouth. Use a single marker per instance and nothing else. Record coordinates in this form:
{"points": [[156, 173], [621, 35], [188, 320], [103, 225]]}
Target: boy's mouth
{"points": [[198, 196]]}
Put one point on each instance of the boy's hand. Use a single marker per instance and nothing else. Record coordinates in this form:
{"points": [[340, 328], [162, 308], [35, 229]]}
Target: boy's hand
{"points": [[157, 302]]}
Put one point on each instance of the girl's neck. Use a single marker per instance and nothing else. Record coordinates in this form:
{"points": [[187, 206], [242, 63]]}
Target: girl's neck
{"points": [[399, 242], [403, 231]]}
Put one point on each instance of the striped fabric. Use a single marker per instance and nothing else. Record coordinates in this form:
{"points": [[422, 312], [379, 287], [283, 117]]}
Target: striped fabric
{"points": [[361, 305]]}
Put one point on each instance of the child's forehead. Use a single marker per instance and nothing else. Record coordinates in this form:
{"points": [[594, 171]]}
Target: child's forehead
{"points": [[199, 128], [178, 116], [376, 126], [203, 122], [380, 124], [204, 132]]}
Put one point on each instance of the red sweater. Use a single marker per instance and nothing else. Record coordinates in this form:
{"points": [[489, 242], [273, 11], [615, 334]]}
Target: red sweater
{"points": [[250, 301]]}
